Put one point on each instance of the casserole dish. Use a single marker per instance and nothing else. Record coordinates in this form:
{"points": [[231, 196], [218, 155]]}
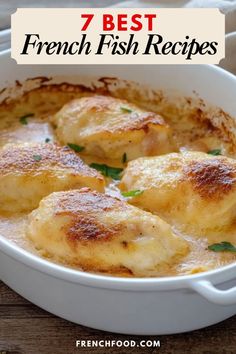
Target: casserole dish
{"points": [[144, 306]]}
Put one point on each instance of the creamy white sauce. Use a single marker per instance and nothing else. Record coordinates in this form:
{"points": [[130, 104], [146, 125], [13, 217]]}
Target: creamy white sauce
{"points": [[38, 129]]}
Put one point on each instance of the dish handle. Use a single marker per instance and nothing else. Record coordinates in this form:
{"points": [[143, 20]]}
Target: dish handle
{"points": [[211, 293]]}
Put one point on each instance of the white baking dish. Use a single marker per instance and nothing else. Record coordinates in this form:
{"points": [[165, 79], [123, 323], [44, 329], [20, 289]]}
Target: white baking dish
{"points": [[133, 306]]}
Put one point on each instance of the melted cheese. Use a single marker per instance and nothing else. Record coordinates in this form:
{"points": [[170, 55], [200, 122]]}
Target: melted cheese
{"points": [[193, 190], [30, 171], [109, 127], [101, 233], [189, 131]]}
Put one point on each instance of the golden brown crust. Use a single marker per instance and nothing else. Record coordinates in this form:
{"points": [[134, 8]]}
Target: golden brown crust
{"points": [[101, 233], [31, 171], [82, 208], [193, 190], [138, 119], [87, 228], [86, 200], [212, 178], [20, 159], [108, 127]]}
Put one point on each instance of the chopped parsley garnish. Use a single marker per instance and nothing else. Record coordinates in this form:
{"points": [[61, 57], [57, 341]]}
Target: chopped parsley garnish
{"points": [[47, 140], [108, 171], [126, 109], [222, 246], [133, 193], [23, 120], [124, 158], [75, 147], [215, 152], [37, 157]]}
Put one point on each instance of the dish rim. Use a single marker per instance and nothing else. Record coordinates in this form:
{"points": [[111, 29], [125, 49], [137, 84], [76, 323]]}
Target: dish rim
{"points": [[108, 281]]}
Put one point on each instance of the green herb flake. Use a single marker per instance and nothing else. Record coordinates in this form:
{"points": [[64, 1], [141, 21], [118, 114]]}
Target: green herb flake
{"points": [[124, 158], [47, 140], [108, 171], [126, 110], [133, 193], [215, 152], [222, 246], [23, 120], [75, 147], [37, 157]]}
